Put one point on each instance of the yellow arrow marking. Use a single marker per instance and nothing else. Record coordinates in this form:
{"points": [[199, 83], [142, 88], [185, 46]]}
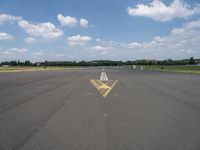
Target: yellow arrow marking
{"points": [[104, 88], [108, 91]]}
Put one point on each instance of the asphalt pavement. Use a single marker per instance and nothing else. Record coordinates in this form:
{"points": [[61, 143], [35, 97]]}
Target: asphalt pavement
{"points": [[63, 110]]}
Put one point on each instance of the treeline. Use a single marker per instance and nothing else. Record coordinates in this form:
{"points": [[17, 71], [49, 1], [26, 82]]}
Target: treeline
{"points": [[17, 63], [190, 61]]}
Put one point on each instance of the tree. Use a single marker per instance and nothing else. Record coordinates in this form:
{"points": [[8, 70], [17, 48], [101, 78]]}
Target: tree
{"points": [[191, 61]]}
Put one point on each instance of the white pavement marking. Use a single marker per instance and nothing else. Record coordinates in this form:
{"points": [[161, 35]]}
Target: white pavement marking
{"points": [[103, 76]]}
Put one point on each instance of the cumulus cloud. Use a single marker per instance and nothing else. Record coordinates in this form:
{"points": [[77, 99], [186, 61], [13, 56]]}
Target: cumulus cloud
{"points": [[67, 20], [188, 51], [84, 23], [8, 18], [134, 45], [60, 55], [37, 53], [100, 49], [78, 40], [182, 42], [159, 11], [45, 30], [5, 36], [21, 54], [18, 50], [98, 40], [30, 40], [13, 51]]}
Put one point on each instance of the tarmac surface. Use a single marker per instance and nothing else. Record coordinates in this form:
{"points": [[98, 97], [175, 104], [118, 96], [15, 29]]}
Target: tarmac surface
{"points": [[62, 110]]}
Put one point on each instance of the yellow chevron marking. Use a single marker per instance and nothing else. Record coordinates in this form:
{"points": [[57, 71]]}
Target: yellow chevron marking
{"points": [[104, 88]]}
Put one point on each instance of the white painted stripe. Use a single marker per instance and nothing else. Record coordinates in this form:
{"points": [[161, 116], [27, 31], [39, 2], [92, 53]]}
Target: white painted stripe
{"points": [[103, 76]]}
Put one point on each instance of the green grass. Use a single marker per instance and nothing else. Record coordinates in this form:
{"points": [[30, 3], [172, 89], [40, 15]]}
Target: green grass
{"points": [[36, 68], [182, 69]]}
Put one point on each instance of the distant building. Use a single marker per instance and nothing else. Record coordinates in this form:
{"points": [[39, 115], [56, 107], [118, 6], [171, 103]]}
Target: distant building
{"points": [[5, 65]]}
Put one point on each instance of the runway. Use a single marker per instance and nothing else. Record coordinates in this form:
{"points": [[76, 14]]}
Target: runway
{"points": [[63, 110]]}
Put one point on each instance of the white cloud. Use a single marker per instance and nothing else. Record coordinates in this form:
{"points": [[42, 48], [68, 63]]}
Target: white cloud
{"points": [[30, 40], [110, 43], [190, 26], [193, 24], [70, 57], [100, 49], [45, 30], [98, 40], [182, 42], [84, 23], [78, 40], [159, 11], [134, 45], [67, 20], [18, 50], [188, 51], [14, 51], [5, 36], [3, 53], [21, 54], [37, 53], [8, 18], [59, 55]]}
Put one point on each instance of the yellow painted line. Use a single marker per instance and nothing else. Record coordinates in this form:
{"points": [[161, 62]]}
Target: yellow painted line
{"points": [[103, 91], [99, 82], [108, 91], [94, 83], [109, 83], [104, 88]]}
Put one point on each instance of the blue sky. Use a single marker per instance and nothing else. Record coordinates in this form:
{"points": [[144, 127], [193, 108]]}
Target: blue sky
{"points": [[87, 30]]}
